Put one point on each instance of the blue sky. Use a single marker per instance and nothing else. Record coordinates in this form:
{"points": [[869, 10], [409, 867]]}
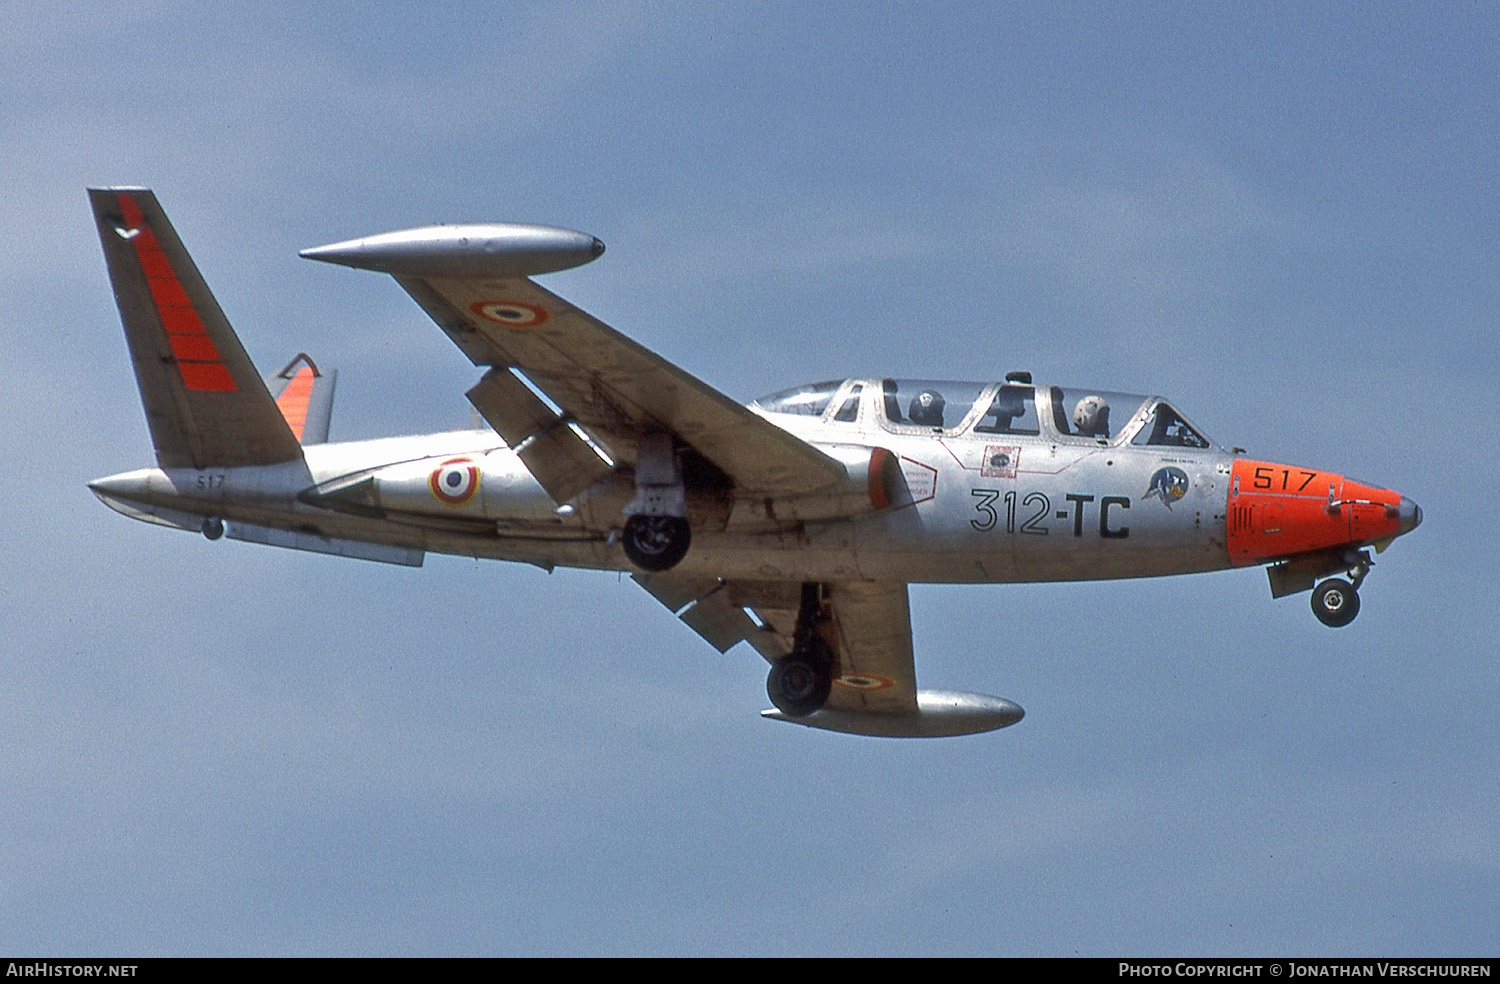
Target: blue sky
{"points": [[1283, 216]]}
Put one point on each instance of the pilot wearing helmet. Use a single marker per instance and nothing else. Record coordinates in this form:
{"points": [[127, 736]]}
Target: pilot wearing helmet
{"points": [[926, 409], [1091, 417]]}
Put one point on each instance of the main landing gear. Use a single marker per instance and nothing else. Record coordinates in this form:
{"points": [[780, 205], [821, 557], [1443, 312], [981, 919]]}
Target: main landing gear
{"points": [[800, 682], [656, 543], [656, 535], [1336, 601]]}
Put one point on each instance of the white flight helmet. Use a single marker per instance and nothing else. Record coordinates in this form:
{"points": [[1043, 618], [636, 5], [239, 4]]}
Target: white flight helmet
{"points": [[1091, 416]]}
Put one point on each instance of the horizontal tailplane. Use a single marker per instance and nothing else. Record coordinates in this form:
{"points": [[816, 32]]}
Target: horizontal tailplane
{"points": [[304, 395]]}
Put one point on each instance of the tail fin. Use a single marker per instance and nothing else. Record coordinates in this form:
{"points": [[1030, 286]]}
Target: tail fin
{"points": [[305, 398], [205, 403]]}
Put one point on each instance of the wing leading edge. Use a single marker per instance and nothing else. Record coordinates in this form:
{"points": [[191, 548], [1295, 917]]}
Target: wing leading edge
{"points": [[474, 282]]}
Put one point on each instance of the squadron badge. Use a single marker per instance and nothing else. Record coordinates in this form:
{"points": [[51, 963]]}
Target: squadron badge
{"points": [[1000, 462], [1168, 484]]}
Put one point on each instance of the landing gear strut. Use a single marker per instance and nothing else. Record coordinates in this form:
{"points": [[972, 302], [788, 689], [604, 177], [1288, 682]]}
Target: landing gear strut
{"points": [[800, 683], [656, 534], [1336, 601]]}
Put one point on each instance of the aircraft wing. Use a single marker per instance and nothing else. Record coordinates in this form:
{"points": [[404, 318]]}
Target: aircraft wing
{"points": [[869, 630], [615, 389]]}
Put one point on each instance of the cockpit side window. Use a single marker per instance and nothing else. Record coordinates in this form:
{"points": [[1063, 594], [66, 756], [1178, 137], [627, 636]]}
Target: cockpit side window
{"points": [[889, 391], [849, 412], [1013, 411], [925, 407], [1059, 411], [1093, 415], [929, 404], [1166, 428]]}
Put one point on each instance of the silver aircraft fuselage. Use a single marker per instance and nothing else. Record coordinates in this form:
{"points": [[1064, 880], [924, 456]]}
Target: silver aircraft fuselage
{"points": [[957, 506]]}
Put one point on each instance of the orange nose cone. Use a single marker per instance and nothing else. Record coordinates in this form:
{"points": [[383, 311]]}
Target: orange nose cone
{"points": [[1280, 510]]}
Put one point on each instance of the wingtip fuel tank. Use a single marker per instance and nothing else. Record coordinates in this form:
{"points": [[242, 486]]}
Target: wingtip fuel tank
{"points": [[488, 250], [939, 714]]}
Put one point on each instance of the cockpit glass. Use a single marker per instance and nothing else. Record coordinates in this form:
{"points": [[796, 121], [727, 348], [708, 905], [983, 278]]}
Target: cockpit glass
{"points": [[809, 401], [928, 402], [1011, 408], [1012, 411], [1092, 413], [1166, 428], [849, 412]]}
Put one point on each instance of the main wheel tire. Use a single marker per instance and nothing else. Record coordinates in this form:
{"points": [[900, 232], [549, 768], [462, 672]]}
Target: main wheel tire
{"points": [[1335, 602], [798, 685], [656, 543]]}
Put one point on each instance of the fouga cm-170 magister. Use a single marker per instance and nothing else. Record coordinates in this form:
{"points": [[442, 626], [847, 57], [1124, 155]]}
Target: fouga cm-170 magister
{"points": [[794, 524]]}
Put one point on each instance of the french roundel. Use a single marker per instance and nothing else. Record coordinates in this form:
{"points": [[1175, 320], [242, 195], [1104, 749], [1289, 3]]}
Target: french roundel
{"points": [[865, 681], [455, 482], [512, 314]]}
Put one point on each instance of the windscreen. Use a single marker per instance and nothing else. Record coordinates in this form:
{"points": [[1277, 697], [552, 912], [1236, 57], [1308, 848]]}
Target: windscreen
{"points": [[807, 401]]}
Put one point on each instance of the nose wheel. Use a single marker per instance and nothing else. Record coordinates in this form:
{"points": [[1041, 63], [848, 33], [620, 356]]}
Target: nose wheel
{"points": [[1335, 602]]}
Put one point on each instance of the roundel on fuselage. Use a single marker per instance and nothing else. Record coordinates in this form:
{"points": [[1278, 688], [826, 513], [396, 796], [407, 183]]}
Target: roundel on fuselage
{"points": [[455, 482]]}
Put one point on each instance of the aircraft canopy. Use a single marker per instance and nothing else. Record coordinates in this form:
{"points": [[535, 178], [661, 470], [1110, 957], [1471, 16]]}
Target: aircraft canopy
{"points": [[950, 407]]}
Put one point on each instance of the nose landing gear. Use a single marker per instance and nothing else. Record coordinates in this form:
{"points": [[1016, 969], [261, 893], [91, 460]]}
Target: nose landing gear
{"points": [[1335, 602]]}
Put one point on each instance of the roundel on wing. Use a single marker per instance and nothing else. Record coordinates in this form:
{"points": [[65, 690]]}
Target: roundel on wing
{"points": [[455, 482], [865, 681], [512, 314]]}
